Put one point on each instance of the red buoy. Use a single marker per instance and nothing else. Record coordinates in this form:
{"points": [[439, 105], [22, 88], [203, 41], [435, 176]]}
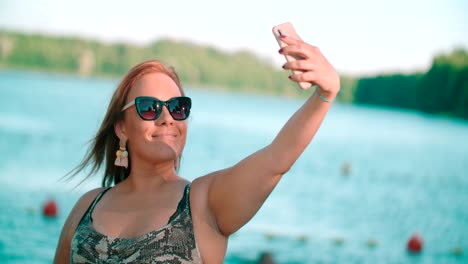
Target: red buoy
{"points": [[415, 243], [50, 208]]}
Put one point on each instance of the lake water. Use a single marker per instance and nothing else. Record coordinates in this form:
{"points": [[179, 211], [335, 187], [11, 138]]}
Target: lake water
{"points": [[408, 173]]}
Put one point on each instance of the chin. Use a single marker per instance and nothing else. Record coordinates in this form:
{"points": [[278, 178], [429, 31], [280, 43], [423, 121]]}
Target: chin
{"points": [[164, 150]]}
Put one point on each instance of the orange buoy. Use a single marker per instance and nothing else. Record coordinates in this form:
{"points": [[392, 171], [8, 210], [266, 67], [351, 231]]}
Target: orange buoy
{"points": [[415, 243], [50, 208]]}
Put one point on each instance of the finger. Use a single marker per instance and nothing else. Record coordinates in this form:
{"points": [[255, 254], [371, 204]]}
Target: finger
{"points": [[289, 40], [301, 65], [301, 49], [308, 76]]}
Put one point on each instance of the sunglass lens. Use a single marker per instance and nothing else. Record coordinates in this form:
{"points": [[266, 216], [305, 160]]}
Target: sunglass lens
{"points": [[148, 108], [179, 108]]}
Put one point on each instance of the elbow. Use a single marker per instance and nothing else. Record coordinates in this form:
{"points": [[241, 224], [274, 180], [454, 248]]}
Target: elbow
{"points": [[281, 165], [280, 162], [281, 170]]}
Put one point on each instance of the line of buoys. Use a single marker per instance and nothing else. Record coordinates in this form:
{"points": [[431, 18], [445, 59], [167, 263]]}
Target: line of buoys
{"points": [[414, 244], [50, 208]]}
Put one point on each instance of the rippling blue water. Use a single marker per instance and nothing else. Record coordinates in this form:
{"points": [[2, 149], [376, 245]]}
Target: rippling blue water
{"points": [[408, 173]]}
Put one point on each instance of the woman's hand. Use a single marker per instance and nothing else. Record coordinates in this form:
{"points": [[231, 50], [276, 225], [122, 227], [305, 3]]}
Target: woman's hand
{"points": [[314, 68]]}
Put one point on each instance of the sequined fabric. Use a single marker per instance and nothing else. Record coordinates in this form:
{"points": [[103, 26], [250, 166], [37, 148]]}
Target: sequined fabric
{"points": [[172, 243]]}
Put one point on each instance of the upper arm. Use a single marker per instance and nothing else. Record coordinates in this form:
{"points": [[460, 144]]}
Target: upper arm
{"points": [[62, 255], [235, 194]]}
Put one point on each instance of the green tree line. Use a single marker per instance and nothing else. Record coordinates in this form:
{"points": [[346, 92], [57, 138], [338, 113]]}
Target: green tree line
{"points": [[443, 89], [196, 65]]}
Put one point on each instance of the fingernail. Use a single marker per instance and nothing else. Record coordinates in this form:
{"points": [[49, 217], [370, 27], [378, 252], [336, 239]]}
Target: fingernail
{"points": [[280, 51]]}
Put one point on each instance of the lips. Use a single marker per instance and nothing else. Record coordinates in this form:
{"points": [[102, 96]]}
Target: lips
{"points": [[164, 135]]}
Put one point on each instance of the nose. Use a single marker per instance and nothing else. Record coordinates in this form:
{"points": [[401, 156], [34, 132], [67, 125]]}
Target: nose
{"points": [[165, 118]]}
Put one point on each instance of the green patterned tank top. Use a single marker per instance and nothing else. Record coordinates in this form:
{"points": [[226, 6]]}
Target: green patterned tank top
{"points": [[172, 243]]}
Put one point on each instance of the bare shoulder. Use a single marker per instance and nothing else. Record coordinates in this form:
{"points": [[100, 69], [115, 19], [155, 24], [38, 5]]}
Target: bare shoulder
{"points": [[205, 181], [201, 197], [200, 191], [200, 188], [83, 203], [62, 254]]}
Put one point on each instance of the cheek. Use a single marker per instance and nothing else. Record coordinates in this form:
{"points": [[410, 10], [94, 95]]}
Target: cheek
{"points": [[183, 128], [136, 130], [183, 136]]}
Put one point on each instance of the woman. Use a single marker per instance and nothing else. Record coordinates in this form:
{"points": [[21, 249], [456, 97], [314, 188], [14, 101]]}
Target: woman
{"points": [[151, 215]]}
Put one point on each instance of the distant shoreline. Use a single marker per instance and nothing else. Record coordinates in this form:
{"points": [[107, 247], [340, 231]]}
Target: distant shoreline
{"points": [[242, 71]]}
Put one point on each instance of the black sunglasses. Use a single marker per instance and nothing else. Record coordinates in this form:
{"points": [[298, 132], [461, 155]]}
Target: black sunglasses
{"points": [[150, 108]]}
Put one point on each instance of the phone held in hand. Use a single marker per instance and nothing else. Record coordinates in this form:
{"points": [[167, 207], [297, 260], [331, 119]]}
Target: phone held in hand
{"points": [[288, 30]]}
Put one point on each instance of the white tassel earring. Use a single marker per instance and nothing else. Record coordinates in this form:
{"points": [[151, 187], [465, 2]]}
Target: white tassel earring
{"points": [[122, 155]]}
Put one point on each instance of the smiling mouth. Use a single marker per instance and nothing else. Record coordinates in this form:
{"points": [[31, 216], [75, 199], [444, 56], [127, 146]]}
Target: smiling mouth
{"points": [[164, 135]]}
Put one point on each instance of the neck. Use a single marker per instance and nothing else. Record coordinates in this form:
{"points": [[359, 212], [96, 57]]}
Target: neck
{"points": [[150, 176]]}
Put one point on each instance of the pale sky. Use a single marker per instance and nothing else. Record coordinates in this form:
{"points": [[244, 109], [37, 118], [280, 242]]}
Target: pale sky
{"points": [[357, 36]]}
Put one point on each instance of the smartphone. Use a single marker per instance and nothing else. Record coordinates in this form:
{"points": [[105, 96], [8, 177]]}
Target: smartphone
{"points": [[288, 30]]}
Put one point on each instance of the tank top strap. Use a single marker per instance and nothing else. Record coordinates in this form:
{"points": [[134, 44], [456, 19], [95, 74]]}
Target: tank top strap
{"points": [[187, 199], [93, 204], [96, 200], [183, 203]]}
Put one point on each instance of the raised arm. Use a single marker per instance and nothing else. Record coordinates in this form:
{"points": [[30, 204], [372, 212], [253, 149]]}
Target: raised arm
{"points": [[235, 194]]}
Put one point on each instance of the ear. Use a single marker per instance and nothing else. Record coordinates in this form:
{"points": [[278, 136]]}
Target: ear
{"points": [[120, 131]]}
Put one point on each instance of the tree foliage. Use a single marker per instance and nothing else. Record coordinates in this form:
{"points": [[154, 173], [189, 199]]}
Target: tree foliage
{"points": [[443, 89]]}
